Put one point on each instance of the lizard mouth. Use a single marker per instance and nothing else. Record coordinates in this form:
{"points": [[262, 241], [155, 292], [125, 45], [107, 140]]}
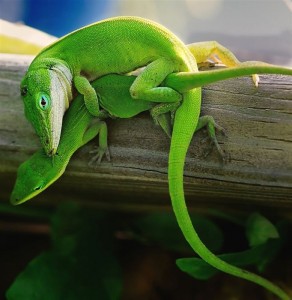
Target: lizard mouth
{"points": [[16, 200]]}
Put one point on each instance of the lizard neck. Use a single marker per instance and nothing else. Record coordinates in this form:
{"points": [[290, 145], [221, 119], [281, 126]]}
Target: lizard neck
{"points": [[61, 75]]}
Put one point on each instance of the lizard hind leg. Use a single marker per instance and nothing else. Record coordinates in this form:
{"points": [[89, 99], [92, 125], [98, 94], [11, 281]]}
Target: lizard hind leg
{"points": [[203, 51], [163, 115], [146, 85], [212, 126]]}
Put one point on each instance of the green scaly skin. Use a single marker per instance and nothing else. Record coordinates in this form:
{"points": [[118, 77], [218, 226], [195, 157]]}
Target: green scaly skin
{"points": [[114, 92]]}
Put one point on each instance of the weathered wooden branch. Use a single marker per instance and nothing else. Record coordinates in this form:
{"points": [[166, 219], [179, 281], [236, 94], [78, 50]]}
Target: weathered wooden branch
{"points": [[258, 122]]}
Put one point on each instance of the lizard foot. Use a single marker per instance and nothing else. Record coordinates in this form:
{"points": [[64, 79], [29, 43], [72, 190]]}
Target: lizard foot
{"points": [[99, 153], [224, 156], [212, 127]]}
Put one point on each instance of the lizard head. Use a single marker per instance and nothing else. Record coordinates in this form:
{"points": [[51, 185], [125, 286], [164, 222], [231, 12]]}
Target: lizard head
{"points": [[34, 176], [46, 93]]}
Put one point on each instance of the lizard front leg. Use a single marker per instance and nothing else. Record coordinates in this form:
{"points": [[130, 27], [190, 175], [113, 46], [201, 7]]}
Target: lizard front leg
{"points": [[84, 87], [97, 127]]}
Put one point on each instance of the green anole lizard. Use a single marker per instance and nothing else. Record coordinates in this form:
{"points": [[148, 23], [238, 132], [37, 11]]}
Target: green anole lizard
{"points": [[37, 173], [118, 45]]}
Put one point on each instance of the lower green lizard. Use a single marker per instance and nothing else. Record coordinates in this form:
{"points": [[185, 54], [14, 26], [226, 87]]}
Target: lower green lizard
{"points": [[37, 173]]}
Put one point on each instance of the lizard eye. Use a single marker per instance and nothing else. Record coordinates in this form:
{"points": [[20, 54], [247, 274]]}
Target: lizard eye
{"points": [[23, 91], [44, 102], [37, 188]]}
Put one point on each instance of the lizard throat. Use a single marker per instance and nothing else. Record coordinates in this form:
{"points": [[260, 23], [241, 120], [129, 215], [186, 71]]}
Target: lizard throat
{"points": [[61, 95]]}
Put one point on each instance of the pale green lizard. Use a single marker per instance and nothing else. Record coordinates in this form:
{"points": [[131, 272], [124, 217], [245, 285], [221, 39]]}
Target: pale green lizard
{"points": [[37, 173]]}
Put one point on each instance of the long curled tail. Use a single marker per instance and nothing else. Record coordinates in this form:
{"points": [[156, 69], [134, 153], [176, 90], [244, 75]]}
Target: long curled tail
{"points": [[184, 128]]}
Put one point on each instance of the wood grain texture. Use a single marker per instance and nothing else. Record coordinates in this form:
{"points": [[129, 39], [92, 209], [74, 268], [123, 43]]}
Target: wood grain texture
{"points": [[258, 122]]}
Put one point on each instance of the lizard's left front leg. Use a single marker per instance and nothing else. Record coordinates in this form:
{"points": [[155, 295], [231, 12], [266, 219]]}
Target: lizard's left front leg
{"points": [[97, 127]]}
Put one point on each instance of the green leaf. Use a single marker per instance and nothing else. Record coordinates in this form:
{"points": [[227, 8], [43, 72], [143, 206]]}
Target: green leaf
{"points": [[162, 228], [196, 268], [80, 265], [200, 269], [259, 229]]}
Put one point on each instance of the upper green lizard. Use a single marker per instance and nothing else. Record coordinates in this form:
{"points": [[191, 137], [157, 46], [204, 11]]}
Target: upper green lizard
{"points": [[38, 172], [118, 45]]}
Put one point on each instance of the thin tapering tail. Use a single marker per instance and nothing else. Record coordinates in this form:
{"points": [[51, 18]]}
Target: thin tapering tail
{"points": [[185, 81], [184, 128]]}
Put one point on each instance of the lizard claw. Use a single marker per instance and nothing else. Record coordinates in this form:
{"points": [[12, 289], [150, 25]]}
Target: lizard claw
{"points": [[99, 153], [224, 156], [220, 129]]}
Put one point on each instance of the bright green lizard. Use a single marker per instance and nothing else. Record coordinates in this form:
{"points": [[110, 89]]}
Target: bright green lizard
{"points": [[37, 173], [118, 45]]}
